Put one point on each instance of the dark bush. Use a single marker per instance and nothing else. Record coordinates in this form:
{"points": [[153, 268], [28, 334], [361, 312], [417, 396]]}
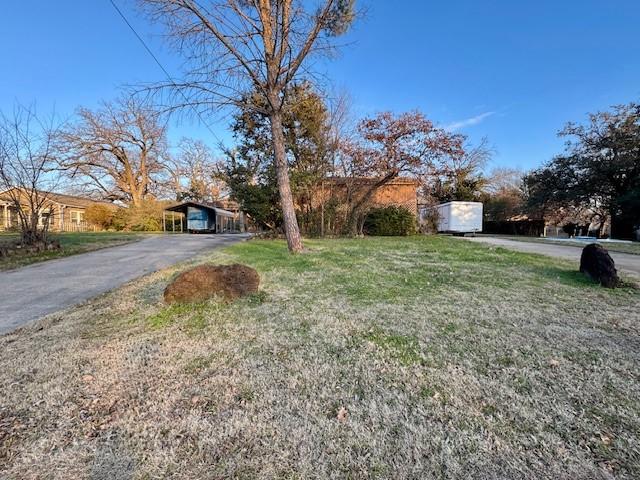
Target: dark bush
{"points": [[429, 219], [390, 221], [530, 228], [570, 229]]}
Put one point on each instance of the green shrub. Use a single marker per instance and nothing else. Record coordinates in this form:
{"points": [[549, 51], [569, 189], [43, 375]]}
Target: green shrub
{"points": [[390, 221]]}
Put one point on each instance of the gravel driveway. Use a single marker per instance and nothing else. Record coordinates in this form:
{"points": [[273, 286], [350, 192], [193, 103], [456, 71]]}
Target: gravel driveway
{"points": [[32, 292], [625, 262]]}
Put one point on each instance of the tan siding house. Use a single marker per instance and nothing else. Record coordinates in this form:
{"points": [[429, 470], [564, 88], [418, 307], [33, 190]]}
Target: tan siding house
{"points": [[65, 213]]}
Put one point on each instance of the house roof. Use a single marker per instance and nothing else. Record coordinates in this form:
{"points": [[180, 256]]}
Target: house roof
{"points": [[369, 180], [182, 208], [63, 199]]}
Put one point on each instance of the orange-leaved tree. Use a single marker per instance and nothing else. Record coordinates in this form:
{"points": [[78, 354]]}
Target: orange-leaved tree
{"points": [[387, 146]]}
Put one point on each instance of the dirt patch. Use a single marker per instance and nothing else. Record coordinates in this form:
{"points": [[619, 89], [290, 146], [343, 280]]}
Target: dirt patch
{"points": [[205, 281]]}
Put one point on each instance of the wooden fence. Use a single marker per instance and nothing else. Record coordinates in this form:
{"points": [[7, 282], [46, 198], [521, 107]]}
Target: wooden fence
{"points": [[76, 227], [80, 227]]}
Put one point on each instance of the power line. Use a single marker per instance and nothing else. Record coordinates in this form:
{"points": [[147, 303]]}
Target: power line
{"points": [[168, 75]]}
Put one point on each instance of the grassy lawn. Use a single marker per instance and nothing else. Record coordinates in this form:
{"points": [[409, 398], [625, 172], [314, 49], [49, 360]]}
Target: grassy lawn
{"points": [[633, 248], [72, 243], [422, 357]]}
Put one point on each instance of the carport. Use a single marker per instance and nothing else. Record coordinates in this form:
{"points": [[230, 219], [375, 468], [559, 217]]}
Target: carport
{"points": [[197, 217]]}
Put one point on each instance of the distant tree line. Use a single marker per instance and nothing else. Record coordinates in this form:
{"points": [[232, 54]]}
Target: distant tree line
{"points": [[599, 172], [120, 152]]}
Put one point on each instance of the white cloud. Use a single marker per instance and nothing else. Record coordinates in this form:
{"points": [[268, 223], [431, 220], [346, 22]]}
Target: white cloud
{"points": [[467, 122]]}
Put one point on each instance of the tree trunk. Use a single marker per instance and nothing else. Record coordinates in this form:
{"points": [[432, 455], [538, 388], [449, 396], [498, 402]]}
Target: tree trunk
{"points": [[355, 222], [136, 195], [292, 232], [135, 200]]}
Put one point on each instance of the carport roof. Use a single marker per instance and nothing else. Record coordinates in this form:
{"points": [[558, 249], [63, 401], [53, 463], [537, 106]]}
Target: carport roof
{"points": [[182, 208]]}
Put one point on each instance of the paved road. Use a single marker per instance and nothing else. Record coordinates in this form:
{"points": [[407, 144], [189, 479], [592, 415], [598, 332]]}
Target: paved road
{"points": [[32, 292], [625, 262]]}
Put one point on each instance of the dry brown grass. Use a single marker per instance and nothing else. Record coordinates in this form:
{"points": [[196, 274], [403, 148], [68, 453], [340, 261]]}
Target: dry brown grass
{"points": [[377, 358]]}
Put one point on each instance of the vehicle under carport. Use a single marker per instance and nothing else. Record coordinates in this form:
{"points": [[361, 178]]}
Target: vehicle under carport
{"points": [[197, 217]]}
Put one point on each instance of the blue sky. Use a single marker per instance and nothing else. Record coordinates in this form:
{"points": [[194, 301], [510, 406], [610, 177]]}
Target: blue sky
{"points": [[513, 71]]}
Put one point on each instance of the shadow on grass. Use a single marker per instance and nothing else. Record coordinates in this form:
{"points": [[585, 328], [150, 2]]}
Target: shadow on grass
{"points": [[195, 317], [574, 278], [565, 276]]}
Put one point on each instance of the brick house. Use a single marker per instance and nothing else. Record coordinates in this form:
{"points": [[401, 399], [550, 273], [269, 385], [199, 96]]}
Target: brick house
{"points": [[401, 192], [65, 213]]}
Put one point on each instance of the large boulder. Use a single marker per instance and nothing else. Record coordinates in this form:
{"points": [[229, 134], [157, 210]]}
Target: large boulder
{"points": [[203, 282], [597, 264]]}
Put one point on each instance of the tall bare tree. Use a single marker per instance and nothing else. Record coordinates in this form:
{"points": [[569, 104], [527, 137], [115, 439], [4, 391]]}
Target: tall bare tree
{"points": [[459, 177], [504, 179], [119, 150], [27, 154], [196, 173], [235, 46], [342, 130]]}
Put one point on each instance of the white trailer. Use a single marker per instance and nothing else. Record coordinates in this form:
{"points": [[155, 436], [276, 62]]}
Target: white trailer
{"points": [[460, 217]]}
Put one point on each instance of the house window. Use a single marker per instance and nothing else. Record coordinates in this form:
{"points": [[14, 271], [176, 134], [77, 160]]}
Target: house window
{"points": [[14, 217], [45, 218], [77, 216]]}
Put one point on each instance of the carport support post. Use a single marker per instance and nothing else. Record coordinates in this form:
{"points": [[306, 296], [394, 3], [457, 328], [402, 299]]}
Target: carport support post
{"points": [[164, 222], [322, 211], [173, 222]]}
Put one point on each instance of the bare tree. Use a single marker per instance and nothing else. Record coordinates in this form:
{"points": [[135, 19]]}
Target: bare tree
{"points": [[342, 131], [459, 177], [502, 180], [120, 150], [196, 173], [235, 46], [27, 154], [472, 162]]}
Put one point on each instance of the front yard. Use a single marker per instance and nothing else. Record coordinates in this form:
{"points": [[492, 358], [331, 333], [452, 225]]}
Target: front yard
{"points": [[72, 243], [423, 357]]}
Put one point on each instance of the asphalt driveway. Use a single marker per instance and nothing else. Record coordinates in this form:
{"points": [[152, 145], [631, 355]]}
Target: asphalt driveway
{"points": [[32, 292], [625, 262]]}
